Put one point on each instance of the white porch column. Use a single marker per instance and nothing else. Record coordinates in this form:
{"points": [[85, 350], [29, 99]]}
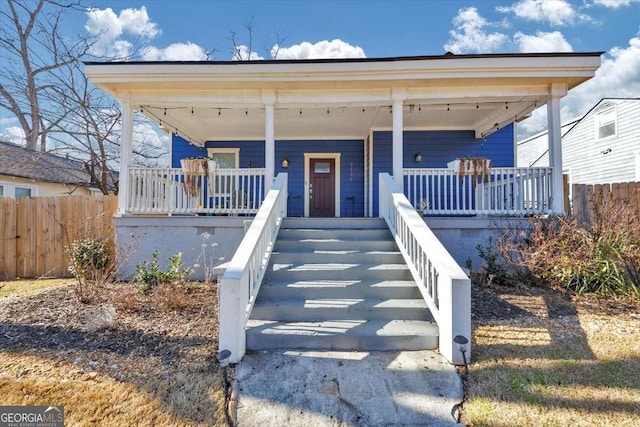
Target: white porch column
{"points": [[269, 98], [398, 96], [555, 147], [125, 157]]}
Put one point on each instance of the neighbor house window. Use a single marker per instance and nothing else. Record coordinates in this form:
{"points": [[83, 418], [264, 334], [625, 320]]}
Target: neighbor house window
{"points": [[23, 192], [11, 190], [606, 123]]}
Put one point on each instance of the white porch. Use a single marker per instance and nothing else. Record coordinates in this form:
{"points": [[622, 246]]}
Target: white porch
{"points": [[208, 102]]}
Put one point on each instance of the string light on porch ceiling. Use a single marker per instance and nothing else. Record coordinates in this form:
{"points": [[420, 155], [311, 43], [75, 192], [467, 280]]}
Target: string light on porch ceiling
{"points": [[514, 118], [166, 124]]}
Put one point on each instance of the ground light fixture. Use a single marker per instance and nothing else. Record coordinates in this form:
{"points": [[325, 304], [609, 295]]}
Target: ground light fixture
{"points": [[223, 357], [462, 341]]}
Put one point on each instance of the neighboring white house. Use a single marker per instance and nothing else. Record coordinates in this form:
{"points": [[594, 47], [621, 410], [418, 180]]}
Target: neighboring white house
{"points": [[601, 147]]}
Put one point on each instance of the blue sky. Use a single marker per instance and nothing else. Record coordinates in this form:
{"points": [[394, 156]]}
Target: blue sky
{"points": [[387, 28], [184, 30]]}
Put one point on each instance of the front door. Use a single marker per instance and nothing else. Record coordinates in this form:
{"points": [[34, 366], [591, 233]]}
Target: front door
{"points": [[322, 188]]}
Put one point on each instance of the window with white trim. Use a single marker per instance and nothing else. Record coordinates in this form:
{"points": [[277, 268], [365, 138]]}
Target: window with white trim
{"points": [[606, 122], [12, 190], [221, 182]]}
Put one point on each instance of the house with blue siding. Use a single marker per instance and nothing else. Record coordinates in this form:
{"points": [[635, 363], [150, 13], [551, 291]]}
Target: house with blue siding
{"points": [[343, 194]]}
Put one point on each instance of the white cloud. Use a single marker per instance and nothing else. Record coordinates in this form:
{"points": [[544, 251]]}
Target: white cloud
{"points": [[5, 121], [542, 42], [138, 23], [555, 12], [470, 35], [151, 140], [323, 49], [13, 134], [176, 52], [617, 77], [615, 3], [109, 29], [242, 54], [132, 21]]}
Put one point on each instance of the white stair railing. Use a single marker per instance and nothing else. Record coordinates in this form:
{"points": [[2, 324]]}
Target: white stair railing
{"points": [[442, 282], [239, 286]]}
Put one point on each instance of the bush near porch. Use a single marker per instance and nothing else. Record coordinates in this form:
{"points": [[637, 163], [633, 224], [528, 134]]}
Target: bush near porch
{"points": [[601, 255]]}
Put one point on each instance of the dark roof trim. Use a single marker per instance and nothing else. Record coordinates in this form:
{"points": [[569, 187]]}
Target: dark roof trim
{"points": [[347, 60]]}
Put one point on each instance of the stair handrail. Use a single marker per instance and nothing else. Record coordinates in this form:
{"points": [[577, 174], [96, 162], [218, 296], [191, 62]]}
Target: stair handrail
{"points": [[443, 284], [239, 286]]}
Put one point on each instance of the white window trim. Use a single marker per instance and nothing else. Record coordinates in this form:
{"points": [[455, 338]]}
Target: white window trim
{"points": [[596, 122], [307, 166], [9, 188], [211, 151]]}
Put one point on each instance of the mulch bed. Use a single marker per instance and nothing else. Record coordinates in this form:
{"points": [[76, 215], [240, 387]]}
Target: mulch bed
{"points": [[126, 335], [490, 303]]}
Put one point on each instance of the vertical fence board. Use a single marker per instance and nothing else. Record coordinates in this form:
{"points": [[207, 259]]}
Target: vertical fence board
{"points": [[8, 238], [36, 230], [585, 196]]}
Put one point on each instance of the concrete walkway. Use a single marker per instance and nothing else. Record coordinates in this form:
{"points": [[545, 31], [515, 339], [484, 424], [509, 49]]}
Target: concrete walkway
{"points": [[312, 389]]}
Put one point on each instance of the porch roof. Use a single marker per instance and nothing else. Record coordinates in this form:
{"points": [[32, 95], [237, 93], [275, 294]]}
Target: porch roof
{"points": [[341, 98]]}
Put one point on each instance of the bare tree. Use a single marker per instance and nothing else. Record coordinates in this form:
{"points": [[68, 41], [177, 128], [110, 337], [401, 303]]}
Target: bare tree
{"points": [[238, 48], [42, 83], [34, 51]]}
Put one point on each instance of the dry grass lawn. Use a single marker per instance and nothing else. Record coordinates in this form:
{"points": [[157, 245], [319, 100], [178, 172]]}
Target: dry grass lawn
{"points": [[126, 360], [29, 286], [544, 366]]}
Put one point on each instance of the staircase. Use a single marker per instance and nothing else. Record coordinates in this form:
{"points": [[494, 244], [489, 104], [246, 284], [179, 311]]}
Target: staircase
{"points": [[339, 284]]}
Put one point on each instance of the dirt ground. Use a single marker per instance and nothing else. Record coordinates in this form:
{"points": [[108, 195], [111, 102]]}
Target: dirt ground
{"points": [[163, 345]]}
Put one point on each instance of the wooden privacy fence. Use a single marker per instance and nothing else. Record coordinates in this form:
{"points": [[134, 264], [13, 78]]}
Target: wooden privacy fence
{"points": [[34, 231], [586, 196]]}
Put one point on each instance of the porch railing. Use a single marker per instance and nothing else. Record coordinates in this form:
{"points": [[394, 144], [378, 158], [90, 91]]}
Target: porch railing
{"points": [[170, 191], [239, 286], [515, 191], [443, 284]]}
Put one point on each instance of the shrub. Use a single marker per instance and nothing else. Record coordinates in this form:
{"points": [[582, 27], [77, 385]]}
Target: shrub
{"points": [[493, 269], [92, 265], [601, 256], [149, 275]]}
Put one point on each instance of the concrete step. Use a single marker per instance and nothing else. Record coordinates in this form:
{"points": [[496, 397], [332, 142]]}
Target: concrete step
{"points": [[336, 256], [292, 310], [335, 223], [364, 335], [337, 235], [336, 271], [343, 288], [330, 244]]}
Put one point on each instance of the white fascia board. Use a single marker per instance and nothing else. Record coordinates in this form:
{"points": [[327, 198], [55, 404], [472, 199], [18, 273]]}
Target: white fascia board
{"points": [[475, 67], [346, 98]]}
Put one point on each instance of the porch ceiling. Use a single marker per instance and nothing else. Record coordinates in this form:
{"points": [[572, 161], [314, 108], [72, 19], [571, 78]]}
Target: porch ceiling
{"points": [[335, 99]]}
